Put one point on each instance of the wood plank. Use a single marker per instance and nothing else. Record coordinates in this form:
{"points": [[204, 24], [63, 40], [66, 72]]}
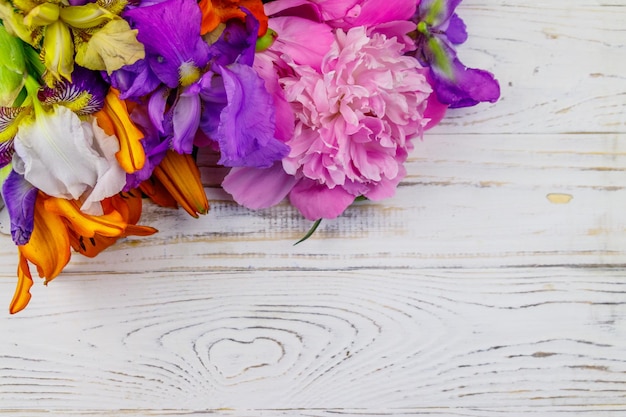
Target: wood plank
{"points": [[369, 339], [468, 200], [559, 63]]}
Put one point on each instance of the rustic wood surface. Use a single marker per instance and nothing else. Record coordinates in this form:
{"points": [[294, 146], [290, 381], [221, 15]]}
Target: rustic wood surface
{"points": [[493, 284]]}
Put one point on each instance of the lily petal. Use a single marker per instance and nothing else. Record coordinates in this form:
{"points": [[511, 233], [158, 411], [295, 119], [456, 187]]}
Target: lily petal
{"points": [[109, 224], [24, 283], [131, 155], [49, 245], [181, 177]]}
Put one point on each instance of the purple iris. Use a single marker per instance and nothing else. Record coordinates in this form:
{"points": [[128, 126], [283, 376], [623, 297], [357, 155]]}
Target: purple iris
{"points": [[208, 87], [19, 196], [439, 29], [171, 44]]}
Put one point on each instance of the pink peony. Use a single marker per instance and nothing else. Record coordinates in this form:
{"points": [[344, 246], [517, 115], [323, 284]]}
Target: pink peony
{"points": [[354, 122]]}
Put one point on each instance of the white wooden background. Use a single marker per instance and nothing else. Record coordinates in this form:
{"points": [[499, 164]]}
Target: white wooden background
{"points": [[493, 284]]}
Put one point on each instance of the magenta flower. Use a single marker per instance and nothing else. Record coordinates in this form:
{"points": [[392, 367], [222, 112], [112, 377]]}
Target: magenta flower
{"points": [[345, 14]]}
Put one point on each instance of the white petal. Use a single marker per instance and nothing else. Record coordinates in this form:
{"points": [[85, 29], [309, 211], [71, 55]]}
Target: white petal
{"points": [[112, 179]]}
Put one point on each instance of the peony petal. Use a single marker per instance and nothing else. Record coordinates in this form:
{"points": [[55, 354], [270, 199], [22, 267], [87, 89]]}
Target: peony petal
{"points": [[316, 201], [294, 40], [257, 188], [375, 12]]}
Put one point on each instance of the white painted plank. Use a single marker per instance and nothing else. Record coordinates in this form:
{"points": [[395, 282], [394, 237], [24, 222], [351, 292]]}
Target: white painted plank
{"points": [[374, 339], [469, 200], [560, 65], [450, 299]]}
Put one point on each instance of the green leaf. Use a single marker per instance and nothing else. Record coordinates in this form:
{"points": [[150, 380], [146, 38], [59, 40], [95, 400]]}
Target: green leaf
{"points": [[310, 232]]}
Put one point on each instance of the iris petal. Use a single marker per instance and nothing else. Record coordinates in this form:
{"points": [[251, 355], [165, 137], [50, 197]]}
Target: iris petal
{"points": [[185, 120], [245, 135], [19, 196], [170, 44]]}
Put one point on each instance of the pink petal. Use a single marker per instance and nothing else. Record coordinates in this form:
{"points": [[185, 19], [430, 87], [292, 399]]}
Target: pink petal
{"points": [[257, 188], [317, 201]]}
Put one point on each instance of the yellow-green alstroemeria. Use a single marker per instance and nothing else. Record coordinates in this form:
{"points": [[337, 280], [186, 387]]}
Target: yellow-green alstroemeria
{"points": [[92, 35]]}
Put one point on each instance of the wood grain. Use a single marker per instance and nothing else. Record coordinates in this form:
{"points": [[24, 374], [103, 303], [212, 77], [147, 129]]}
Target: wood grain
{"points": [[331, 339], [492, 284]]}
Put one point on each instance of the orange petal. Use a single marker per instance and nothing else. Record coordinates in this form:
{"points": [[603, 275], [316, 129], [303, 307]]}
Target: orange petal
{"points": [[49, 245], [181, 177], [131, 155], [215, 12], [128, 206], [110, 224], [155, 190], [24, 283]]}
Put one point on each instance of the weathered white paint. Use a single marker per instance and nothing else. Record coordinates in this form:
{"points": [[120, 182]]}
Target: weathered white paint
{"points": [[493, 284]]}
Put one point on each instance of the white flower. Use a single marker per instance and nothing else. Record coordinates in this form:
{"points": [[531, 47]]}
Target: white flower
{"points": [[67, 158]]}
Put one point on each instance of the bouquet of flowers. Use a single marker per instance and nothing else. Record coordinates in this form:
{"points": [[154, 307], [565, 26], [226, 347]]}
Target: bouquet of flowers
{"points": [[106, 102]]}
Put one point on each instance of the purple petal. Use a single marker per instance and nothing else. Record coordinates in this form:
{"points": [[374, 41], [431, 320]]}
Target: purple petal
{"points": [[156, 107], [134, 80], [237, 43], [170, 42], [214, 100], [153, 144], [317, 201], [467, 86], [185, 121], [246, 130], [6, 152], [19, 196], [257, 188], [456, 31], [436, 12], [66, 92]]}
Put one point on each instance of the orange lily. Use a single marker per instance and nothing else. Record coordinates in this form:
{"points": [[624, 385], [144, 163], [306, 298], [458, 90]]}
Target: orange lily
{"points": [[48, 249], [180, 176], [156, 191], [215, 12], [114, 119], [60, 225]]}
